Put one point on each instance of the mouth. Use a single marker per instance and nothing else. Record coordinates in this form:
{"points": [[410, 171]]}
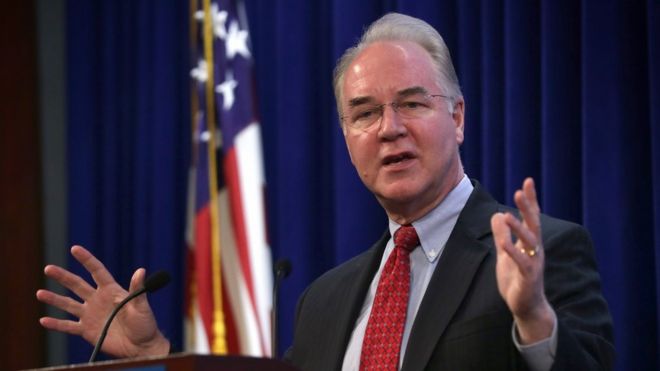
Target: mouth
{"points": [[397, 158]]}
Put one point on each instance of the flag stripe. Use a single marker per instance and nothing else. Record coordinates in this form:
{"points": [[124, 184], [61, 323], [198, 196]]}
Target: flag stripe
{"points": [[243, 312], [252, 184], [233, 345], [231, 172], [203, 269], [243, 249]]}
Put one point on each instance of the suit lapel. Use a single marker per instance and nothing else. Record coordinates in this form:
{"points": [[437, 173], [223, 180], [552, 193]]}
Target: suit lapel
{"points": [[356, 284], [451, 280]]}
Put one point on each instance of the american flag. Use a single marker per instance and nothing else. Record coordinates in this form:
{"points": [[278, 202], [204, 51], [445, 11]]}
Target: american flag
{"points": [[229, 277]]}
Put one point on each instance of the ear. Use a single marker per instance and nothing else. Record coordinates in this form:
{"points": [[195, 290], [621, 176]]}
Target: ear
{"points": [[459, 119]]}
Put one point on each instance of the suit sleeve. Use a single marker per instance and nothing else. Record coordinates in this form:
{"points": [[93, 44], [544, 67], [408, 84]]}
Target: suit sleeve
{"points": [[572, 284]]}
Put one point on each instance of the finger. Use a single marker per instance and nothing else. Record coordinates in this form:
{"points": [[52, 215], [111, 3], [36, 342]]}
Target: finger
{"points": [[523, 234], [501, 232], [502, 236], [69, 280], [137, 281], [529, 213], [62, 325], [529, 188], [64, 303], [94, 266]]}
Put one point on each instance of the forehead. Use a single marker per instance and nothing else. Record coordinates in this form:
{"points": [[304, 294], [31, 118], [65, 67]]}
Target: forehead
{"points": [[383, 69]]}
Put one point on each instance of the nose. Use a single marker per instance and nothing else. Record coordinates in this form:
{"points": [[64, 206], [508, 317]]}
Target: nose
{"points": [[391, 124]]}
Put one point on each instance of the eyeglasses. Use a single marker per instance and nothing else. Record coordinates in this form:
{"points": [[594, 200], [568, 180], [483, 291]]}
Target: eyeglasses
{"points": [[411, 107]]}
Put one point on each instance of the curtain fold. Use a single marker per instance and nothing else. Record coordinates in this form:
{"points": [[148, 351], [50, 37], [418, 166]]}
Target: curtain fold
{"points": [[565, 91], [653, 32], [617, 189], [128, 137], [561, 109]]}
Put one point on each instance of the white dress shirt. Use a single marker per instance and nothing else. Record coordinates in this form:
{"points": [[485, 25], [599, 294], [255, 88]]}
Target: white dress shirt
{"points": [[433, 230]]}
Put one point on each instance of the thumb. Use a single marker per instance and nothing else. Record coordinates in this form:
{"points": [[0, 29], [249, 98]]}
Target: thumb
{"points": [[137, 280]]}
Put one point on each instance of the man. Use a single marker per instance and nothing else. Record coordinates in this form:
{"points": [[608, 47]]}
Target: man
{"points": [[446, 287]]}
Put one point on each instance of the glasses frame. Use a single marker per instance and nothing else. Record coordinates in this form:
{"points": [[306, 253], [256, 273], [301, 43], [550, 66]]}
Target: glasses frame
{"points": [[395, 107]]}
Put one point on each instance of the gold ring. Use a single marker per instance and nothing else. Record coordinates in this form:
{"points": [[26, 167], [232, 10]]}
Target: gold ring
{"points": [[531, 252]]}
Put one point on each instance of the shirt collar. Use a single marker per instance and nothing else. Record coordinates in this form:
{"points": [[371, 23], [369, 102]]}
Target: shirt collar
{"points": [[435, 227]]}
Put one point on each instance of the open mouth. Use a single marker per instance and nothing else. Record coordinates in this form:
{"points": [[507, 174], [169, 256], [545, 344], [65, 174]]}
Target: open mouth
{"points": [[395, 159]]}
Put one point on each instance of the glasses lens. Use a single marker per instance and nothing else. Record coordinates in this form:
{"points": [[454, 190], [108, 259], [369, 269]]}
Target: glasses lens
{"points": [[364, 116], [413, 107]]}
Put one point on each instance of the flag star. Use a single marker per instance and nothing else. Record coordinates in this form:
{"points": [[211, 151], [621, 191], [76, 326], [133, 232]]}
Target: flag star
{"points": [[200, 73], [226, 88], [219, 20], [199, 15], [205, 136], [236, 42]]}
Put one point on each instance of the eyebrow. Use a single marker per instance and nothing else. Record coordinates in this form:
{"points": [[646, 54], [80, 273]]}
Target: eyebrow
{"points": [[412, 91], [357, 101]]}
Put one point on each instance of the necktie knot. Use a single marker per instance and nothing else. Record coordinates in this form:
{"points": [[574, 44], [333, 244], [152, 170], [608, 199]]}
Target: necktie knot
{"points": [[406, 238]]}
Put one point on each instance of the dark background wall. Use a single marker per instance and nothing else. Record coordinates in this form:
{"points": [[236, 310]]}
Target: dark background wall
{"points": [[22, 342]]}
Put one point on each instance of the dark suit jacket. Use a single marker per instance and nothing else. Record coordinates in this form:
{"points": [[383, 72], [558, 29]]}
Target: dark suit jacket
{"points": [[462, 322]]}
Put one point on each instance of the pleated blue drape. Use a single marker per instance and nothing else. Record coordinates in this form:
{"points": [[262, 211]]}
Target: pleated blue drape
{"points": [[565, 91], [128, 142]]}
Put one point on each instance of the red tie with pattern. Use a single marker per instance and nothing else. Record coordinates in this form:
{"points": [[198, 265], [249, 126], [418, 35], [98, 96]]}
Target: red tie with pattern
{"points": [[382, 338]]}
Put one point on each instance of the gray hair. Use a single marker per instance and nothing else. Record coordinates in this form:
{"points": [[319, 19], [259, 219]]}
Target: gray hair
{"points": [[400, 27]]}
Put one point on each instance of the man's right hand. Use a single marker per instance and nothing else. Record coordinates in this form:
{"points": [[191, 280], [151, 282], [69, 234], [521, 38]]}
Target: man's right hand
{"points": [[134, 331]]}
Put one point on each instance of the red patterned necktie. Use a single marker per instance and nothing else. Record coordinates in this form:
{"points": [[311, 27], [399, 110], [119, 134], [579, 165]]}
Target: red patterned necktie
{"points": [[382, 338]]}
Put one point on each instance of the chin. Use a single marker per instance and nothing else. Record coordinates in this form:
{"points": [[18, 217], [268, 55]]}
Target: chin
{"points": [[397, 194]]}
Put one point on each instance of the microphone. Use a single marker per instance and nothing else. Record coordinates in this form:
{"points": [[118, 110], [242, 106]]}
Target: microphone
{"points": [[282, 269], [154, 282]]}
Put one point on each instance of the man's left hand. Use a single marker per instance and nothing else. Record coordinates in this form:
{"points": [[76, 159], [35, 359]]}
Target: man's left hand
{"points": [[520, 266]]}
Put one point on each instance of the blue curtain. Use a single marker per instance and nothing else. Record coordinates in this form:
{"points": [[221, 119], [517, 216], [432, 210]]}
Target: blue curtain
{"points": [[567, 92], [128, 142]]}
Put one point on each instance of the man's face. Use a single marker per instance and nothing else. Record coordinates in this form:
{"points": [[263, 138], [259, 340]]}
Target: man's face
{"points": [[410, 164]]}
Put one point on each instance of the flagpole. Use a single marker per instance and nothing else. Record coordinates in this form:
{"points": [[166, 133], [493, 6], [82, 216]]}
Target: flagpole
{"points": [[219, 343], [191, 289]]}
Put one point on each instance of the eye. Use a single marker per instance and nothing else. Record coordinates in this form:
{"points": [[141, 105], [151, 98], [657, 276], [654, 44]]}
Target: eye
{"points": [[365, 114], [412, 105]]}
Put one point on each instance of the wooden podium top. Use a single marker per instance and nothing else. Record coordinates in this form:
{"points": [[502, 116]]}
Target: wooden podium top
{"points": [[183, 361]]}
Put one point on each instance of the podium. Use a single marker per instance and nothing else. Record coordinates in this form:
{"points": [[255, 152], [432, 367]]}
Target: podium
{"points": [[181, 362]]}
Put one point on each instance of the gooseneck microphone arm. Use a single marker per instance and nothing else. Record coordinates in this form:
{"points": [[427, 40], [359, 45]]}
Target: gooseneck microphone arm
{"points": [[151, 284], [282, 269]]}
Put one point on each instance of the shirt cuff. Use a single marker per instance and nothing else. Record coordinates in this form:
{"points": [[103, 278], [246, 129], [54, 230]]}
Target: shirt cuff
{"points": [[540, 355]]}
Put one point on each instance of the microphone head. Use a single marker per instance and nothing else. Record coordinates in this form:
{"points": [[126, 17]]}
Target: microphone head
{"points": [[283, 267], [156, 281]]}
